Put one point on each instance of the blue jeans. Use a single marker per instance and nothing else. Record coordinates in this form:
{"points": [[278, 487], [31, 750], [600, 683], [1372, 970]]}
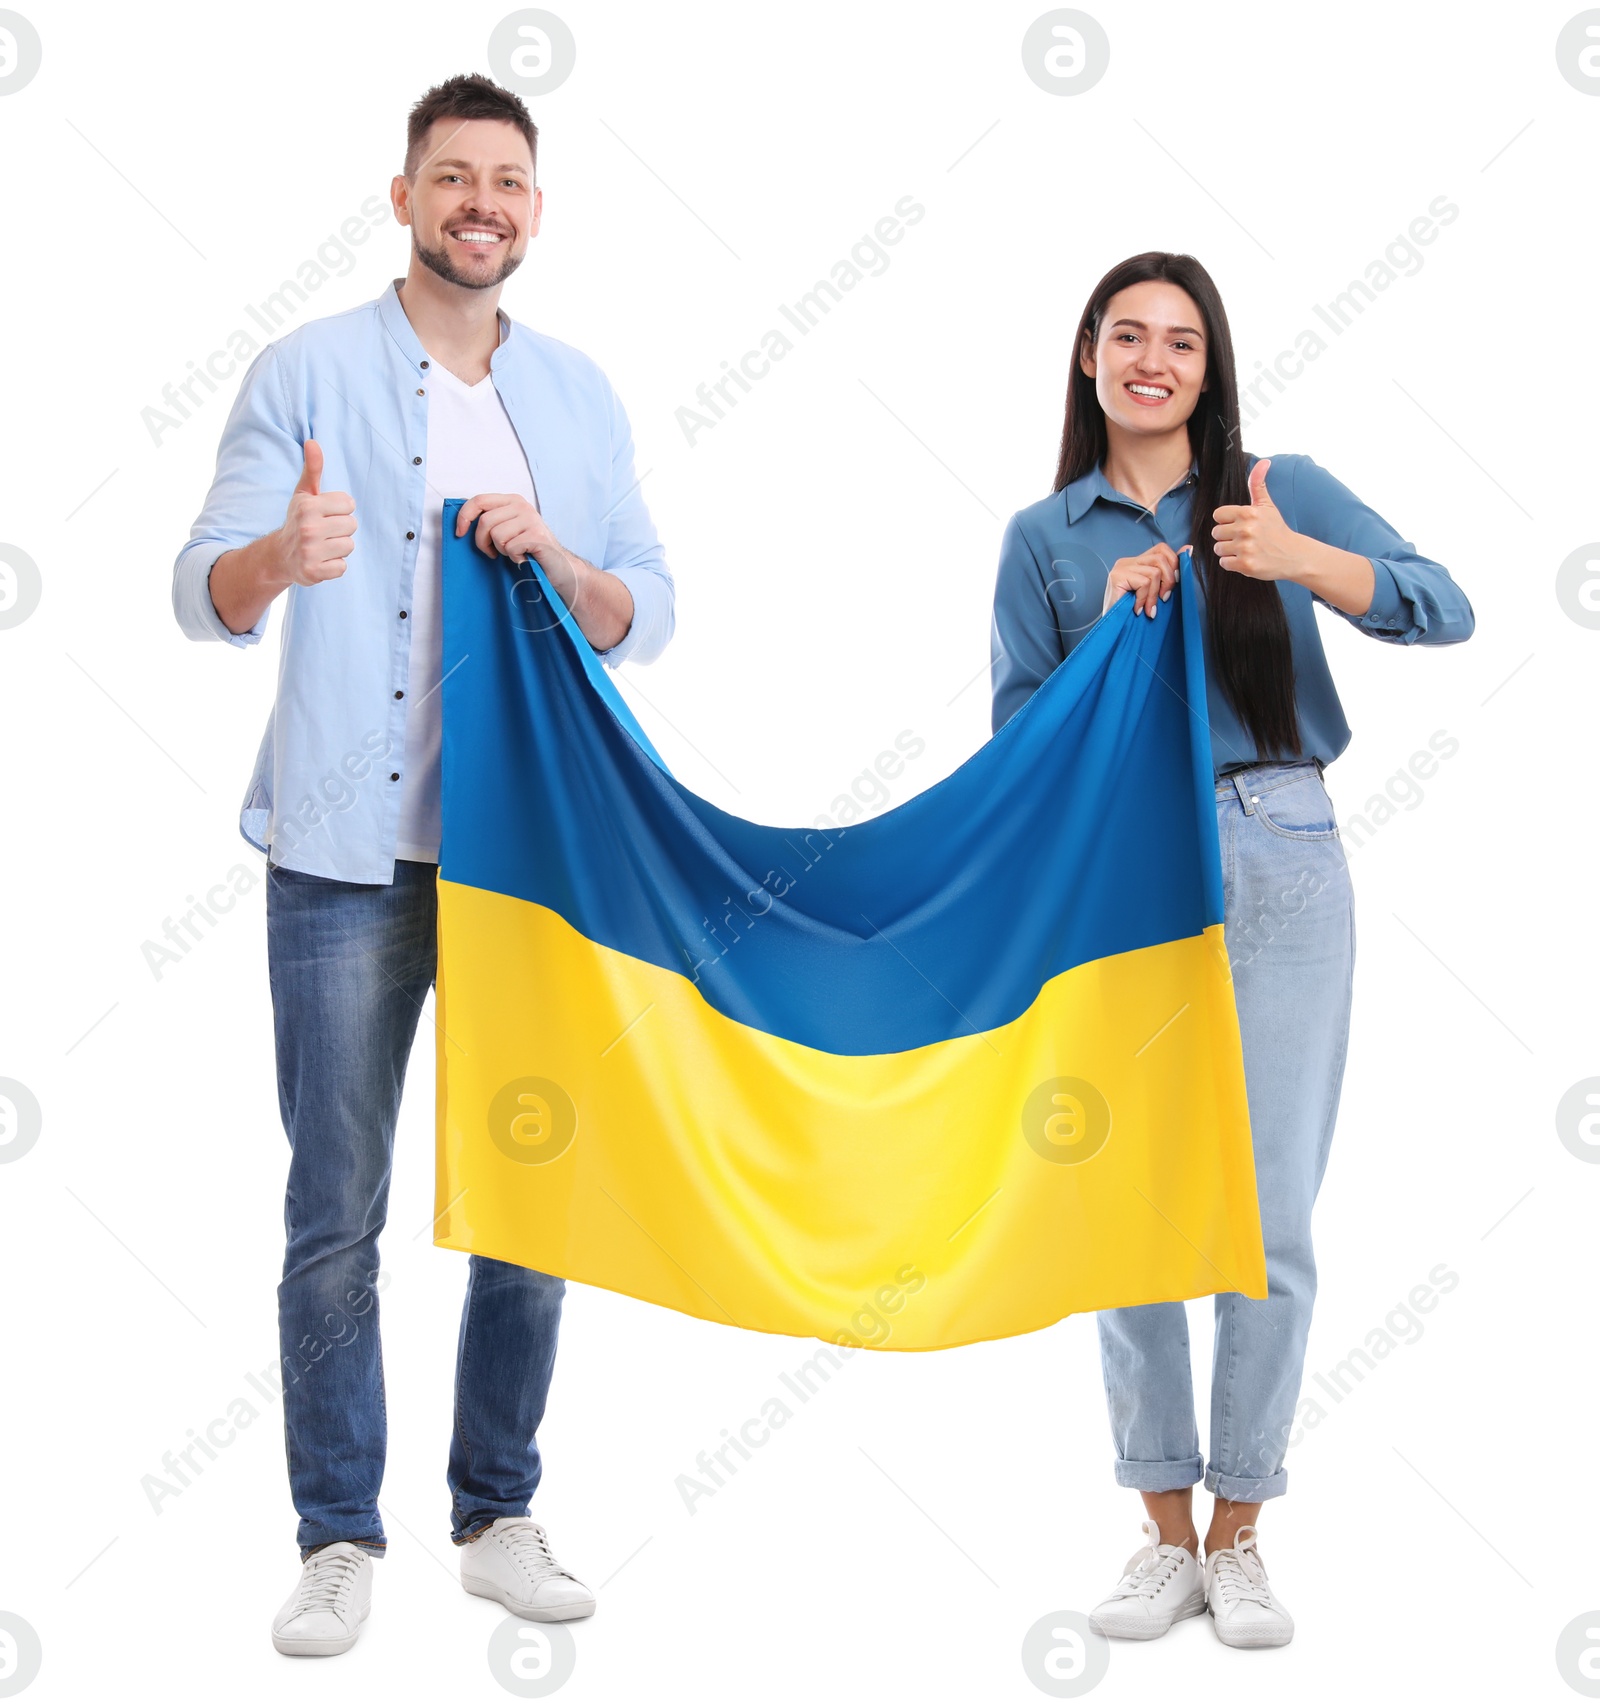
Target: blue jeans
{"points": [[350, 965], [1291, 942]]}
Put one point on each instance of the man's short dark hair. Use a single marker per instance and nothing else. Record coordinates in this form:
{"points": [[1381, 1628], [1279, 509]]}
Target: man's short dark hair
{"points": [[471, 96]]}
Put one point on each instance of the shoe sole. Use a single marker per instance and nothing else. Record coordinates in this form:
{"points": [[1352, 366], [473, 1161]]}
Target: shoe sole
{"points": [[1274, 1638], [1145, 1632], [545, 1615], [320, 1646]]}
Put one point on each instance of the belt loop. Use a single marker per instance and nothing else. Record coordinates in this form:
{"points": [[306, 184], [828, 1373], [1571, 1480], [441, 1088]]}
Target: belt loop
{"points": [[1241, 791]]}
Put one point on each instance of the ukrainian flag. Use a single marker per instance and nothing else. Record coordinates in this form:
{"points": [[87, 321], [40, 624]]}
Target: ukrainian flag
{"points": [[949, 1074]]}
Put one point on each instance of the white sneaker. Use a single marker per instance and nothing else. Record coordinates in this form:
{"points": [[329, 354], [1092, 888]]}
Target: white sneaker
{"points": [[1160, 1583], [511, 1563], [1244, 1611], [333, 1597]]}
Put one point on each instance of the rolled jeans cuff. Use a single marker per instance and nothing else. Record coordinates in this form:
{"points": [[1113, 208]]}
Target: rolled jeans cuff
{"points": [[1155, 1476], [375, 1546], [1248, 1490], [483, 1514]]}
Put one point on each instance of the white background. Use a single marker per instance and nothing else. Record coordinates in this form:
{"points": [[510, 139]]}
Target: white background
{"points": [[834, 541]]}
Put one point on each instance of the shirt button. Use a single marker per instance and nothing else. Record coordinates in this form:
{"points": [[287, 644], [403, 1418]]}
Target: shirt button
{"points": [[421, 392], [399, 694], [416, 459], [402, 613], [424, 362], [394, 776], [410, 535]]}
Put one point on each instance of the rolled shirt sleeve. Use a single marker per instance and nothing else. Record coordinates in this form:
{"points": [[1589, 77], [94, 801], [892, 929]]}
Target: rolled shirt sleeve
{"points": [[633, 553], [259, 460], [1414, 600]]}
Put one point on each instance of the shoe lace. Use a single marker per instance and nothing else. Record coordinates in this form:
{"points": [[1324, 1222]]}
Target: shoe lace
{"points": [[529, 1547], [325, 1580], [1148, 1573], [1241, 1575]]}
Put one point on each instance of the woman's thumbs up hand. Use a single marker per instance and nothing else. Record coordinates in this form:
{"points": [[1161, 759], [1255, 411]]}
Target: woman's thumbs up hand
{"points": [[1253, 539]]}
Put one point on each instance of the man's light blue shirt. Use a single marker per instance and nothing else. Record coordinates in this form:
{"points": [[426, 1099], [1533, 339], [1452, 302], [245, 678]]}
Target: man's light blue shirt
{"points": [[325, 794]]}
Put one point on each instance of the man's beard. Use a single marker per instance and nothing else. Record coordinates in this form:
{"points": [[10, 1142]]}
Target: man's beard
{"points": [[442, 262]]}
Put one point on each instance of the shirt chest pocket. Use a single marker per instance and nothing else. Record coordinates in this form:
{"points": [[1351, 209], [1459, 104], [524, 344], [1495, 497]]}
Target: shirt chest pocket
{"points": [[1075, 585]]}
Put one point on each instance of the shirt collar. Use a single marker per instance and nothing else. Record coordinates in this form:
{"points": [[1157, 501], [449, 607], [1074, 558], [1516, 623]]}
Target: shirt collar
{"points": [[1082, 492], [404, 334]]}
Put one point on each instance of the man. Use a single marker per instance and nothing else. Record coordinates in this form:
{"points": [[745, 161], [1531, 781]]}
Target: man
{"points": [[346, 437]]}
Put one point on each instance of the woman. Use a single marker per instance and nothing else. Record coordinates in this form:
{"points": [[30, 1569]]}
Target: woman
{"points": [[1150, 461]]}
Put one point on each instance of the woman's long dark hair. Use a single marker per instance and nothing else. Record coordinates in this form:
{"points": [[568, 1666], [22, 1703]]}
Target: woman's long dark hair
{"points": [[1249, 629]]}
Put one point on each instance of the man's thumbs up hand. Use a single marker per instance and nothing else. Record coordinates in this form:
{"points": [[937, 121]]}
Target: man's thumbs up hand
{"points": [[319, 528], [1253, 539], [311, 475]]}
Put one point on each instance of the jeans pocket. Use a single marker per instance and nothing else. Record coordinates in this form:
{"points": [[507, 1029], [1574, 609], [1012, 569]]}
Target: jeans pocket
{"points": [[1301, 811]]}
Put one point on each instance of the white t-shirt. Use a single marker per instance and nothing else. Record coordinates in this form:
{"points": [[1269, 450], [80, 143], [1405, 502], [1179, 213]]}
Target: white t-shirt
{"points": [[472, 448]]}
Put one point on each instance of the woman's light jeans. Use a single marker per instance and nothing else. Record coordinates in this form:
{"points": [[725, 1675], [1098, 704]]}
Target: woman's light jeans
{"points": [[1291, 942]]}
